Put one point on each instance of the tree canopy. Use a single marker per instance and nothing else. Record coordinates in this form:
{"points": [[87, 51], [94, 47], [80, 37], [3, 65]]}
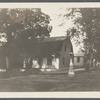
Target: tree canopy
{"points": [[86, 23], [24, 24], [91, 24]]}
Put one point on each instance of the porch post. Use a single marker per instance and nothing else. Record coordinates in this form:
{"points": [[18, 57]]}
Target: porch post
{"points": [[7, 62], [71, 65], [44, 65]]}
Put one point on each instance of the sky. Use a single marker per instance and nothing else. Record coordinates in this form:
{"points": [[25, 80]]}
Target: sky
{"points": [[56, 21]]}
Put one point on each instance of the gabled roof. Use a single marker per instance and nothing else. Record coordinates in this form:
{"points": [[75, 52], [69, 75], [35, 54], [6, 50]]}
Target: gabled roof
{"points": [[41, 48], [46, 47]]}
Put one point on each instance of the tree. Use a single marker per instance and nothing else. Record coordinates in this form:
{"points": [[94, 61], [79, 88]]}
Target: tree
{"points": [[71, 19], [21, 25], [16, 21], [91, 23], [87, 23]]}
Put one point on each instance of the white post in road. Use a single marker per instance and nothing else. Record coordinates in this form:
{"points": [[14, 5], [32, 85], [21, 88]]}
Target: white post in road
{"points": [[71, 65]]}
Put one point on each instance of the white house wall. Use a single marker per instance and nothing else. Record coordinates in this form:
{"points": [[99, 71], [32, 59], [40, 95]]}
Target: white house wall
{"points": [[55, 62], [35, 63], [81, 63]]}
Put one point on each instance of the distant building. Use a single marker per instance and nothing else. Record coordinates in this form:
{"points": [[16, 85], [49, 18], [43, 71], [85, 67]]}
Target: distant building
{"points": [[79, 60]]}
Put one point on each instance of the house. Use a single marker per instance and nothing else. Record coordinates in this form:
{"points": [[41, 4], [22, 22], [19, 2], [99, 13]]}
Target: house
{"points": [[50, 53], [79, 60]]}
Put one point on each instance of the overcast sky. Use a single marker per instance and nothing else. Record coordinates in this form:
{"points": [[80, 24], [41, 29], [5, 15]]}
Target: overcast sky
{"points": [[56, 20]]}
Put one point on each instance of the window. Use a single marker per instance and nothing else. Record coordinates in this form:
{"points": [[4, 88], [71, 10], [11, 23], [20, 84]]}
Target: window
{"points": [[49, 61], [78, 59], [63, 60]]}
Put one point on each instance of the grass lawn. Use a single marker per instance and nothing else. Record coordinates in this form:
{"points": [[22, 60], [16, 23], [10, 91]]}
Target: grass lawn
{"points": [[83, 81]]}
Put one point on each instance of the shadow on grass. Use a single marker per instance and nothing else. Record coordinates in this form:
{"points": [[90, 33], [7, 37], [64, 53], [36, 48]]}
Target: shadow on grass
{"points": [[9, 74]]}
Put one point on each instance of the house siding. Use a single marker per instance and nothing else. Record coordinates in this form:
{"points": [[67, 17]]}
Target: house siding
{"points": [[64, 54], [80, 63]]}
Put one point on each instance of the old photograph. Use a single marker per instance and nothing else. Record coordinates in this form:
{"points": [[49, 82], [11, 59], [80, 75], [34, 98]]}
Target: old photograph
{"points": [[49, 47]]}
